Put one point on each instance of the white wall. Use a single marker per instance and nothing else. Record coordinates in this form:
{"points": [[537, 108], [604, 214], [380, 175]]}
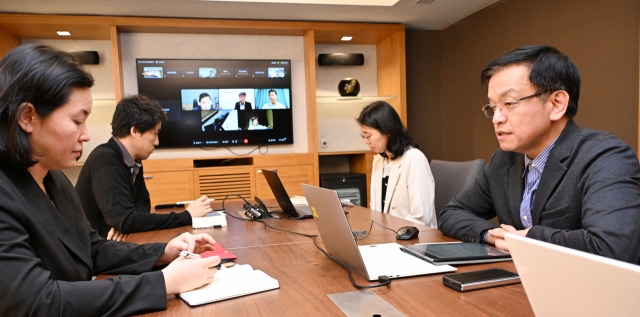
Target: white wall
{"points": [[336, 116], [212, 46]]}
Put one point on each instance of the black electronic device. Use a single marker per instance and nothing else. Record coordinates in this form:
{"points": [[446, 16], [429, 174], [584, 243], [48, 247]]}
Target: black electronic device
{"points": [[298, 212], [160, 206], [456, 253], [260, 204], [257, 211], [468, 281], [216, 103], [351, 187], [87, 57], [341, 59], [407, 233]]}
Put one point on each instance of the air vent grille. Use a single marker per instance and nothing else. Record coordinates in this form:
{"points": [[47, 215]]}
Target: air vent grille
{"points": [[424, 1], [219, 186]]}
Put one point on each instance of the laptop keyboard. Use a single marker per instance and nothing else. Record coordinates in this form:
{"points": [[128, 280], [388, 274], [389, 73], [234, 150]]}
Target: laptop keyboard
{"points": [[304, 210]]}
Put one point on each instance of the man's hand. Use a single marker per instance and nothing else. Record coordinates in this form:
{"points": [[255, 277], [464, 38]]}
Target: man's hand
{"points": [[199, 207], [496, 236], [115, 235]]}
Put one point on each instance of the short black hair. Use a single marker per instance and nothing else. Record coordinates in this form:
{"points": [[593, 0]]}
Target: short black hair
{"points": [[137, 111], [273, 92], [242, 94], [550, 71], [382, 117], [202, 95], [43, 76]]}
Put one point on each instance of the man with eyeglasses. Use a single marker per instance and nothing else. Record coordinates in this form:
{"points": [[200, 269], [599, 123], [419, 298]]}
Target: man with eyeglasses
{"points": [[549, 180]]}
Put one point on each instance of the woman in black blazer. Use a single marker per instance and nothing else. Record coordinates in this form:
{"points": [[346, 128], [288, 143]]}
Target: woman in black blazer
{"points": [[48, 251]]}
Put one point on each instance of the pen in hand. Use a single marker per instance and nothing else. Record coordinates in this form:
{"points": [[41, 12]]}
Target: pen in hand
{"points": [[191, 255]]}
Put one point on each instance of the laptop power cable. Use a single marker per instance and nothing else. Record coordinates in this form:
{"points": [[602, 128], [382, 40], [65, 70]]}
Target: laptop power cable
{"points": [[383, 280]]}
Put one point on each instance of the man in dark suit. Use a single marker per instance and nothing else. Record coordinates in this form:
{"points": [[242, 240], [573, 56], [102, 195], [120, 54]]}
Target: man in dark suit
{"points": [[549, 180], [111, 185], [243, 104]]}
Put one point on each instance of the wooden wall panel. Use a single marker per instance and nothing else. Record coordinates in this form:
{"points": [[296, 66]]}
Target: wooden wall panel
{"points": [[392, 74], [7, 41]]}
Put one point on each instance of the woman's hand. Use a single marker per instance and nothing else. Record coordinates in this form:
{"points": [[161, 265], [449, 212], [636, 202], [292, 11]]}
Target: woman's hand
{"points": [[185, 242], [184, 274]]}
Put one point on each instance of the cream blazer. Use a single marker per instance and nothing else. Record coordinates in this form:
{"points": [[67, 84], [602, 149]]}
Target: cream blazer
{"points": [[411, 189]]}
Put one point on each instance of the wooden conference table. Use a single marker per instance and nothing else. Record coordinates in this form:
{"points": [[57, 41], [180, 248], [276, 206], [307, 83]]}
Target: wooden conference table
{"points": [[307, 276]]}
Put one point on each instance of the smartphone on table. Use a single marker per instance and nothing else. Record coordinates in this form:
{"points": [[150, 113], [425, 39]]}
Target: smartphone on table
{"points": [[468, 281]]}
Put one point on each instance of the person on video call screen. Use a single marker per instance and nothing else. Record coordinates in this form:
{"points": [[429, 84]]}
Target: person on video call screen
{"points": [[273, 101]]}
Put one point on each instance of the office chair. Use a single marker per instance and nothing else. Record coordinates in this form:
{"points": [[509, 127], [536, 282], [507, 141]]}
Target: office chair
{"points": [[451, 178]]}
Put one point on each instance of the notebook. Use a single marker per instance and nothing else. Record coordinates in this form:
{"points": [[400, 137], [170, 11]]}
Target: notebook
{"points": [[214, 219], [457, 253], [369, 261], [565, 282], [236, 281], [282, 197]]}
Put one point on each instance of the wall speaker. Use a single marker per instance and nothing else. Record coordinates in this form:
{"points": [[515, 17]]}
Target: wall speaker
{"points": [[86, 57], [341, 59]]}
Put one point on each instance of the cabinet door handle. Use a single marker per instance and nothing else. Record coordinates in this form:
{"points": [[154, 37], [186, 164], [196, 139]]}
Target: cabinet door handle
{"points": [[148, 176]]}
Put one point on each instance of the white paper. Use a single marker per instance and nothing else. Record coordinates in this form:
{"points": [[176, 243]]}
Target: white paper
{"points": [[299, 200]]}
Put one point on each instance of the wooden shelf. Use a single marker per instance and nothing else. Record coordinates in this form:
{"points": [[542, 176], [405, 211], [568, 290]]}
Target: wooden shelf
{"points": [[388, 38]]}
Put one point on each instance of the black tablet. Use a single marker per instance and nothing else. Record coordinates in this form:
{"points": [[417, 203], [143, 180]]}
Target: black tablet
{"points": [[456, 253]]}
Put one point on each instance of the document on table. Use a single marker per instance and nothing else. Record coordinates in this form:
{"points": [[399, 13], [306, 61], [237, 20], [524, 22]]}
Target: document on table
{"points": [[236, 281], [214, 219]]}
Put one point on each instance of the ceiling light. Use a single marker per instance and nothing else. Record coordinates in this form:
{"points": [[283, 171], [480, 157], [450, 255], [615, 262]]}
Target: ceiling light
{"points": [[384, 3], [346, 38], [64, 33]]}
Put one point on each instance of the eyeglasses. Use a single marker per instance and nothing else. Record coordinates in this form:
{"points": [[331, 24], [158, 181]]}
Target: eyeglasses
{"points": [[365, 137], [508, 104]]}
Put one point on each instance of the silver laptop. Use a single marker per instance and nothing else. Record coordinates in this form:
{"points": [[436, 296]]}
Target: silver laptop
{"points": [[565, 282], [369, 261]]}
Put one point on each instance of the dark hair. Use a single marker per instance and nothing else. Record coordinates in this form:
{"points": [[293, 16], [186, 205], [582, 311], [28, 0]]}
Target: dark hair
{"points": [[382, 117], [43, 76], [550, 70], [242, 94], [137, 111], [273, 92], [202, 95]]}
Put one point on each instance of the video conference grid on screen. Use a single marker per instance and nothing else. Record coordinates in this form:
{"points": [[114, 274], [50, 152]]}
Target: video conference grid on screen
{"points": [[220, 102]]}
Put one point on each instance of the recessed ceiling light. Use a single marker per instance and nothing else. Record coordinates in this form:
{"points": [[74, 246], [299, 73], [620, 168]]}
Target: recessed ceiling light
{"points": [[384, 3], [346, 38], [64, 33]]}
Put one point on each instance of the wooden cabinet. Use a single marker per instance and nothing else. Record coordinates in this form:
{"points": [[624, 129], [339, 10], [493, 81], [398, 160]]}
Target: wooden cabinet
{"points": [[219, 183], [291, 177], [169, 187], [197, 177]]}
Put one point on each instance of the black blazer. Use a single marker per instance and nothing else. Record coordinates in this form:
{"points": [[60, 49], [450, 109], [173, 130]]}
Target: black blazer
{"points": [[48, 254], [247, 106], [110, 200], [588, 197]]}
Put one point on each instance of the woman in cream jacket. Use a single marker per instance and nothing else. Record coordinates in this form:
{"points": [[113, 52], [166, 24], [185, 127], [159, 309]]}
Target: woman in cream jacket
{"points": [[401, 181]]}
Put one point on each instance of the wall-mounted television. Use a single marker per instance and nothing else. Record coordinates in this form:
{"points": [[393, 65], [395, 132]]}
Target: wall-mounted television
{"points": [[212, 103]]}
